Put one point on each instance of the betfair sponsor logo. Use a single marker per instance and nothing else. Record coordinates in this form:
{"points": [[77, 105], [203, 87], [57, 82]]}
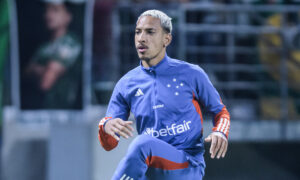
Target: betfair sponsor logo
{"points": [[171, 130]]}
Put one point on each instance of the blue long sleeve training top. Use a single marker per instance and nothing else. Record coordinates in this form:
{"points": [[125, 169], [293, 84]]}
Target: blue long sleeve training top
{"points": [[165, 102]]}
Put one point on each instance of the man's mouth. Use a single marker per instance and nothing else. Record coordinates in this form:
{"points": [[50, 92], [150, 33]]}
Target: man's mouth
{"points": [[142, 48]]}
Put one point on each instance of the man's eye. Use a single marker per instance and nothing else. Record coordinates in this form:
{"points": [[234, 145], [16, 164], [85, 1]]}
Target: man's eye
{"points": [[150, 32], [137, 32]]}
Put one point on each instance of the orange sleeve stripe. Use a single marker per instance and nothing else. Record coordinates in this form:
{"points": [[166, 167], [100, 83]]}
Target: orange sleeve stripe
{"points": [[198, 108], [222, 122], [106, 140], [165, 164]]}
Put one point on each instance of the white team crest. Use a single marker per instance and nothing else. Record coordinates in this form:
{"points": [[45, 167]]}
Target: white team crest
{"points": [[139, 92], [175, 86]]}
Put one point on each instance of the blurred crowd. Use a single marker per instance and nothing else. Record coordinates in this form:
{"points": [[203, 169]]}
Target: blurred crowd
{"points": [[51, 64], [267, 91]]}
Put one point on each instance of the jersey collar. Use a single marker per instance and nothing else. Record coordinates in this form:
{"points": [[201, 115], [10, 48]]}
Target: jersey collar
{"points": [[160, 67]]}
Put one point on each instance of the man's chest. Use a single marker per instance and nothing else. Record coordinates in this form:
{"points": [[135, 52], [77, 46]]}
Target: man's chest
{"points": [[154, 94]]}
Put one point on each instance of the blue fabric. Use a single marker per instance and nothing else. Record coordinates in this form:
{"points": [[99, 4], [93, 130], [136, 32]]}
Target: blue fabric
{"points": [[161, 98], [133, 166]]}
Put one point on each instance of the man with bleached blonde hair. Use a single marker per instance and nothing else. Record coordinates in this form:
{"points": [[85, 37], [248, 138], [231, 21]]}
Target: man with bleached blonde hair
{"points": [[164, 94]]}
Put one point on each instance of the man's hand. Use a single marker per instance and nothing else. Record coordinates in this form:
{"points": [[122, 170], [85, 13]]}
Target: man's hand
{"points": [[219, 144], [54, 70], [119, 126]]}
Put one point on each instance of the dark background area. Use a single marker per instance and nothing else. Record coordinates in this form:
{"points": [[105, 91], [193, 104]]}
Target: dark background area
{"points": [[256, 160]]}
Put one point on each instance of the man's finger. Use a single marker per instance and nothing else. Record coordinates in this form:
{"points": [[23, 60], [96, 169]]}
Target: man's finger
{"points": [[119, 131], [218, 145], [208, 139], [128, 124], [123, 129], [113, 133], [116, 137], [222, 148], [225, 150], [120, 121], [213, 146]]}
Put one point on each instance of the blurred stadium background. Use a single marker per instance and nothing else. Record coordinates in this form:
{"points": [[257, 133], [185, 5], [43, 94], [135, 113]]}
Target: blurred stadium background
{"points": [[249, 48]]}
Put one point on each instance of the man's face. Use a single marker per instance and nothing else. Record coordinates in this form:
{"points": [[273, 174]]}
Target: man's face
{"points": [[150, 38], [57, 16]]}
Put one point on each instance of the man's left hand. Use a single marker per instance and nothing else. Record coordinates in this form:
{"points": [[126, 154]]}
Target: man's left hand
{"points": [[219, 144]]}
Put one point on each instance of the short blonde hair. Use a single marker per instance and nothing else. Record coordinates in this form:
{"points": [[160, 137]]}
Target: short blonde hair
{"points": [[165, 20]]}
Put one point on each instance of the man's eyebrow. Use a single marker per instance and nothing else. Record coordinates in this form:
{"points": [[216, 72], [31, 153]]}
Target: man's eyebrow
{"points": [[150, 29], [147, 29]]}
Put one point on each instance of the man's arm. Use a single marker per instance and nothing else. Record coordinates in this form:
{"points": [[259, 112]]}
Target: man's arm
{"points": [[210, 98], [222, 122], [48, 74], [53, 71], [108, 130], [219, 136], [114, 124]]}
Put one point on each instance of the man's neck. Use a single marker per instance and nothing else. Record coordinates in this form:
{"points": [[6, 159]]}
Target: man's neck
{"points": [[154, 61], [59, 33]]}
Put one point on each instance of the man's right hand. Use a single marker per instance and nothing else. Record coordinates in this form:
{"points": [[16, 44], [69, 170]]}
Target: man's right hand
{"points": [[120, 127]]}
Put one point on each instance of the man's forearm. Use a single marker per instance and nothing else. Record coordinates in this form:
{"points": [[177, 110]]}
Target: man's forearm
{"points": [[52, 73], [222, 122]]}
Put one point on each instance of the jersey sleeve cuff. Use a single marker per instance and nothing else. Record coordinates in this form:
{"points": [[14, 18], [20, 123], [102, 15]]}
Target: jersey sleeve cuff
{"points": [[106, 140], [222, 126], [222, 122]]}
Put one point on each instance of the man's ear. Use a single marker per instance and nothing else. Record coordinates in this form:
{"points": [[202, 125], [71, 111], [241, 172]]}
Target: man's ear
{"points": [[167, 39]]}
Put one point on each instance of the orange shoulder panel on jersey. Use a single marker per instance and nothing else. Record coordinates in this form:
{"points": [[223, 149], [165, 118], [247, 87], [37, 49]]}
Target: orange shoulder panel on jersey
{"points": [[106, 140], [222, 122]]}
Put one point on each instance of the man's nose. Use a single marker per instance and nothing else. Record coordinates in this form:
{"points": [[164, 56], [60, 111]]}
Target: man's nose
{"points": [[142, 37]]}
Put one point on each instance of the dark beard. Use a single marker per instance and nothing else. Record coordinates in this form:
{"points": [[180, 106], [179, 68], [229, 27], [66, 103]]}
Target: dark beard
{"points": [[148, 59]]}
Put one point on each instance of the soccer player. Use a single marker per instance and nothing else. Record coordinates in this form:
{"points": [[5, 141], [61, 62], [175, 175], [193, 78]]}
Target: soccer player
{"points": [[164, 95]]}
